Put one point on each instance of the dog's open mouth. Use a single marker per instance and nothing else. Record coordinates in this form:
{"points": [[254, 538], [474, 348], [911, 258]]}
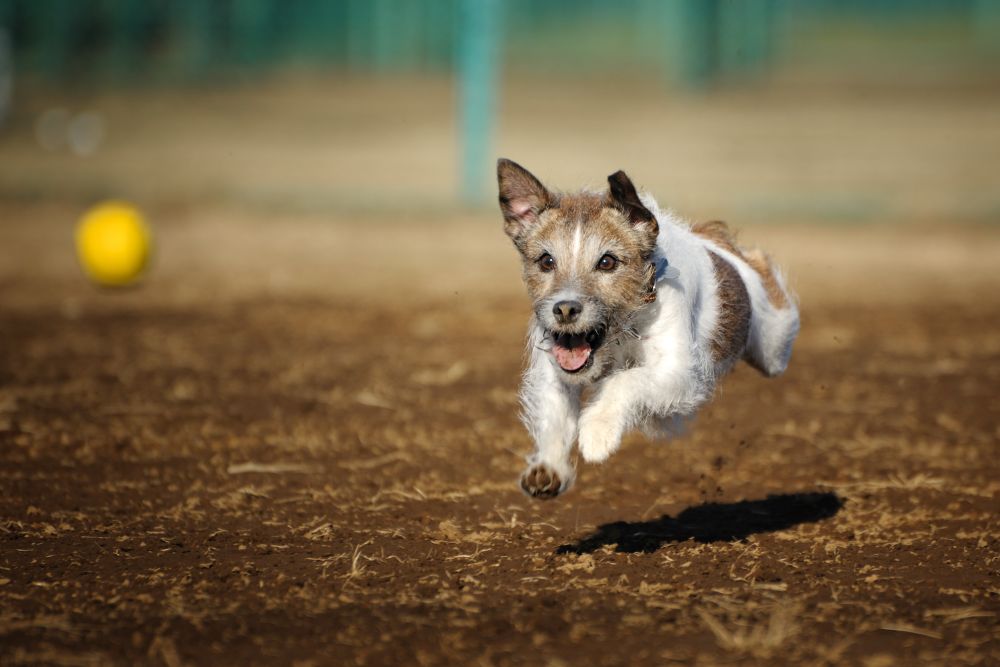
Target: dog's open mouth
{"points": [[575, 351]]}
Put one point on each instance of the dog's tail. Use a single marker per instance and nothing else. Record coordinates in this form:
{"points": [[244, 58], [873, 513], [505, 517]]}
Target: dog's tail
{"points": [[774, 323]]}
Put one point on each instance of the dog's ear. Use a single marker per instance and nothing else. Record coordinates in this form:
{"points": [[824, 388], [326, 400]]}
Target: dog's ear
{"points": [[626, 199], [522, 197]]}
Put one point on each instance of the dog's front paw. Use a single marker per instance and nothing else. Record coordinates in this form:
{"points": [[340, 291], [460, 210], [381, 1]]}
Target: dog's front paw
{"points": [[596, 447], [598, 438], [541, 481]]}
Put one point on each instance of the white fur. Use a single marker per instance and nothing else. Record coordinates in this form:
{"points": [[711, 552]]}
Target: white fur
{"points": [[660, 379]]}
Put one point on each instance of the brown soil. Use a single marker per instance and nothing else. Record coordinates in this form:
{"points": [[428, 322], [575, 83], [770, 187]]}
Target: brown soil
{"points": [[299, 444]]}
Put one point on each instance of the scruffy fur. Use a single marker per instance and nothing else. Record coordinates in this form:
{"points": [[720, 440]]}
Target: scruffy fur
{"points": [[637, 314]]}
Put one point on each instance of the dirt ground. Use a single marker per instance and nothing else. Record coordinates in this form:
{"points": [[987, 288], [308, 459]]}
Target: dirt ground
{"points": [[297, 443]]}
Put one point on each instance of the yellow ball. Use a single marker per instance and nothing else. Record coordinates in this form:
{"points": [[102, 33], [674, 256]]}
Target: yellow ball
{"points": [[113, 243]]}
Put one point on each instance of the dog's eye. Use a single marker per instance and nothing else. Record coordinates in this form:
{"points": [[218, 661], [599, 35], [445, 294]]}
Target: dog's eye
{"points": [[607, 263], [546, 262]]}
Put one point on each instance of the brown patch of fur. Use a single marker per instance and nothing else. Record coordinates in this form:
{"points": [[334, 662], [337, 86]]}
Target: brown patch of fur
{"points": [[719, 233], [584, 206], [624, 289], [600, 216], [732, 329], [522, 198], [761, 263]]}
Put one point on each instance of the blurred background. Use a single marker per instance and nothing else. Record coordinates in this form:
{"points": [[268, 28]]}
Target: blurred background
{"points": [[747, 109], [266, 139]]}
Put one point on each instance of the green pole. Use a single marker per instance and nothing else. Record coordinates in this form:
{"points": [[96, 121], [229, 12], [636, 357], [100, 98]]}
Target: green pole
{"points": [[384, 33], [320, 31], [478, 42], [986, 14], [439, 32], [360, 33], [56, 22], [756, 38], [123, 59], [692, 34], [731, 44], [6, 72], [193, 34], [408, 50], [252, 30]]}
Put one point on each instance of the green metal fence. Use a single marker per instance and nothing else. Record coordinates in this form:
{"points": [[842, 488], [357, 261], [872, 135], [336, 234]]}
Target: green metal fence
{"points": [[691, 41], [692, 44]]}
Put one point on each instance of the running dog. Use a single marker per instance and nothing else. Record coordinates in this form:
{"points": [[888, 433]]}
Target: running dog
{"points": [[637, 314]]}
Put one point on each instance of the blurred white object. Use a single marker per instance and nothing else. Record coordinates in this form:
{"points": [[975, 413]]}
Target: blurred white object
{"points": [[51, 128], [85, 133], [6, 75]]}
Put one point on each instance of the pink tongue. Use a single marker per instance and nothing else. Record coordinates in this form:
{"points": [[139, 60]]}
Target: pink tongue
{"points": [[571, 359]]}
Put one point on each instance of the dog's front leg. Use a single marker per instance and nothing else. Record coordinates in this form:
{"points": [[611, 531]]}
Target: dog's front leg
{"points": [[606, 418], [550, 412], [671, 387]]}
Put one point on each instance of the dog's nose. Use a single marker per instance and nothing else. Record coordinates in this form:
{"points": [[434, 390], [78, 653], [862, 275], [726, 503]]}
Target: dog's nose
{"points": [[567, 311]]}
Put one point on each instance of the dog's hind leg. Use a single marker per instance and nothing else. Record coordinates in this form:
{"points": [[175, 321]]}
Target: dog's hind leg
{"points": [[550, 410]]}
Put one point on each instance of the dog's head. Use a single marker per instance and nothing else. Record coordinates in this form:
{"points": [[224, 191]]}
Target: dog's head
{"points": [[586, 263]]}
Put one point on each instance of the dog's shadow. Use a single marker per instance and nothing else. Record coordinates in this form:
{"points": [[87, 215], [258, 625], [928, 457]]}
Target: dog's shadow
{"points": [[711, 522]]}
